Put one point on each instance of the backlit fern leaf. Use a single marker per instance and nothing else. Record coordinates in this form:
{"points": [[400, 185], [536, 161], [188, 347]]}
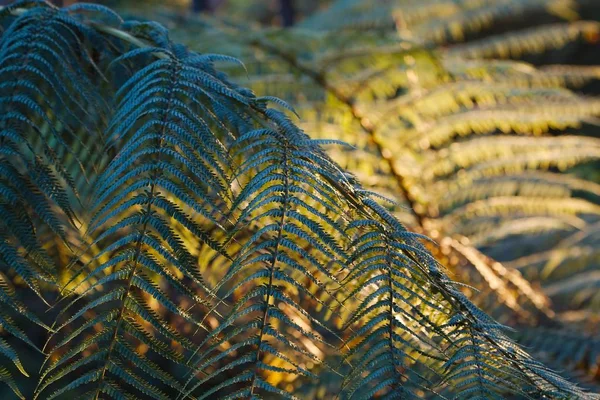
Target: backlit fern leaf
{"points": [[173, 167], [288, 205], [535, 40], [394, 310]]}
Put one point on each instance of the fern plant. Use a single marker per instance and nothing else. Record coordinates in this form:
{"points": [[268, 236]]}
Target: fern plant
{"points": [[191, 241], [412, 109]]}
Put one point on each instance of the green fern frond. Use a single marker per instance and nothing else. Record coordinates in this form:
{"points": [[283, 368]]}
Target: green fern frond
{"points": [[527, 120], [489, 156], [435, 21], [173, 166], [527, 42], [284, 199]]}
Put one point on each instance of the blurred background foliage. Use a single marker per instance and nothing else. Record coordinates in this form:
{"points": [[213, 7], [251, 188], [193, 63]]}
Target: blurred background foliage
{"points": [[258, 12]]}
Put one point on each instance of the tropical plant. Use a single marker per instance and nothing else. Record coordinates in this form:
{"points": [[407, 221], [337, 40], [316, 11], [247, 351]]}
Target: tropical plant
{"points": [[177, 236], [392, 80]]}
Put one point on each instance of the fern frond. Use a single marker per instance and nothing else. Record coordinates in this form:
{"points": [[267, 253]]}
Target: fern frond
{"points": [[518, 206], [529, 41], [435, 21], [287, 203], [388, 338], [455, 192], [45, 100], [531, 120], [486, 157], [173, 166]]}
